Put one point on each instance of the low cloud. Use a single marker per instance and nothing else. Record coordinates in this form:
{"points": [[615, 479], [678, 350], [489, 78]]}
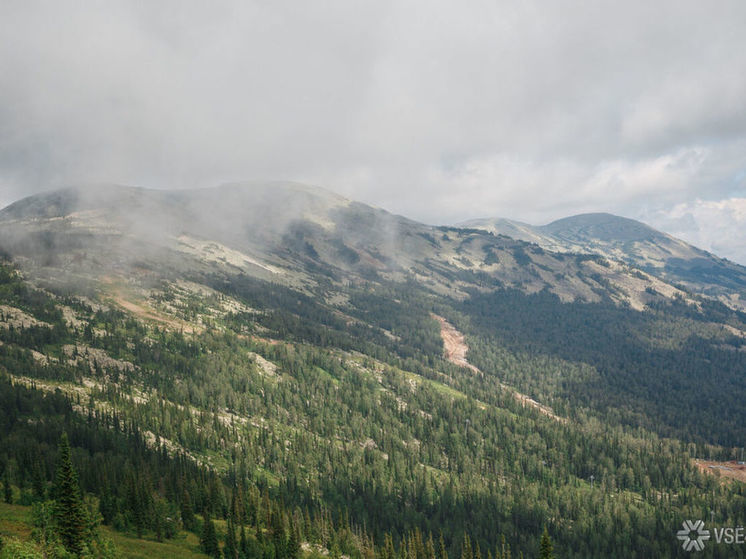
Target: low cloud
{"points": [[716, 226], [437, 110]]}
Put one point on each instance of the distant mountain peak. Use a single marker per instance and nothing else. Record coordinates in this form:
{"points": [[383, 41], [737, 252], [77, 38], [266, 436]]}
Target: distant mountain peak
{"points": [[634, 243], [601, 226]]}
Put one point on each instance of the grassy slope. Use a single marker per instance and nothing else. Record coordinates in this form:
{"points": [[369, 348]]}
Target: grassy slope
{"points": [[15, 522]]}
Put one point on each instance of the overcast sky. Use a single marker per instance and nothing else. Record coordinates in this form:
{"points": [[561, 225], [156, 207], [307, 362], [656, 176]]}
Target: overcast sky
{"points": [[440, 111]]}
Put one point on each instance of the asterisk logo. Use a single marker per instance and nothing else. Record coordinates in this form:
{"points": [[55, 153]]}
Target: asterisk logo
{"points": [[693, 535]]}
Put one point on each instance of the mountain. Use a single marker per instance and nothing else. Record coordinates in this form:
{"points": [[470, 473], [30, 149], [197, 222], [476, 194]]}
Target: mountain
{"points": [[288, 233], [322, 377], [638, 245]]}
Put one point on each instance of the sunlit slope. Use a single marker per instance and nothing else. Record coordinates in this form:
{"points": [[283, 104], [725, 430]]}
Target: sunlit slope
{"points": [[636, 244], [295, 235]]}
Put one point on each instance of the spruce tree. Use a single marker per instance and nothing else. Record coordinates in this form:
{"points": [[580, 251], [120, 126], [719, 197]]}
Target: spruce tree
{"points": [[7, 490], [70, 515], [107, 505], [293, 546], [430, 548], [37, 481], [243, 544], [545, 548], [442, 551], [230, 550], [187, 512], [388, 548], [466, 550], [209, 539], [505, 548]]}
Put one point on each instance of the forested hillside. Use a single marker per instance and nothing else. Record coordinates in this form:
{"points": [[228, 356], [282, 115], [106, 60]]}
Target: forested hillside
{"points": [[312, 411]]}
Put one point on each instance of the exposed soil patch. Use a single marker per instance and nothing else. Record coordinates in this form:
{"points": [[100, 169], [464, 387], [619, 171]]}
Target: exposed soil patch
{"points": [[146, 313], [455, 350], [730, 469], [454, 344]]}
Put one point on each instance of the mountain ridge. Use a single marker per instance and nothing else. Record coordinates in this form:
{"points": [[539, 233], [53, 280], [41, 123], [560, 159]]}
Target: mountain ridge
{"points": [[284, 231], [636, 244]]}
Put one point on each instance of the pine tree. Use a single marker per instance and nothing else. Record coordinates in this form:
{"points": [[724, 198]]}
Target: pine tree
{"points": [[209, 539], [7, 491], [187, 512], [159, 519], [37, 481], [505, 554], [402, 550], [545, 548], [388, 548], [419, 545], [243, 544], [278, 535], [442, 551], [107, 505], [293, 547], [466, 551], [230, 550], [70, 515], [430, 548]]}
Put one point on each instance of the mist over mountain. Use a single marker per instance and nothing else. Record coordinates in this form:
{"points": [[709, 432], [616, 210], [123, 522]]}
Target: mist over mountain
{"points": [[285, 231], [313, 375]]}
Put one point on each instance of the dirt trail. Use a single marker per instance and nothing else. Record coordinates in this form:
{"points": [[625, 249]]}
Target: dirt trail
{"points": [[455, 350]]}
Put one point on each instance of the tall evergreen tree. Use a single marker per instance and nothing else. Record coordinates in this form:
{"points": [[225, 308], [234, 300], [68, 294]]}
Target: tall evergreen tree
{"points": [[466, 550], [7, 491], [37, 481], [442, 551], [187, 512], [388, 548], [230, 550], [70, 514], [209, 539], [293, 545], [107, 505], [546, 550], [504, 548], [430, 548], [243, 544]]}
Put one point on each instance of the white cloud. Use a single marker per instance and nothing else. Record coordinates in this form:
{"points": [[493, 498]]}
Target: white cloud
{"points": [[716, 226], [538, 191], [439, 110]]}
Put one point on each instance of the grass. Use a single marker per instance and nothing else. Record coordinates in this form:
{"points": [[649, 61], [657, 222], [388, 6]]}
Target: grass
{"points": [[185, 545], [15, 522]]}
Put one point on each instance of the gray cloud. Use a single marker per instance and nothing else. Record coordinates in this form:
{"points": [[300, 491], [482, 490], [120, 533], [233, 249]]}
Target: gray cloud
{"points": [[708, 224], [438, 110]]}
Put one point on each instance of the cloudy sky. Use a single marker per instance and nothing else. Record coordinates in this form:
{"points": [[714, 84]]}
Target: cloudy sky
{"points": [[441, 111]]}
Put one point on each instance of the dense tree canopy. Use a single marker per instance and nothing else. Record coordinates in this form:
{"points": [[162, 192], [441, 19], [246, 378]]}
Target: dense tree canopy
{"points": [[289, 421]]}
